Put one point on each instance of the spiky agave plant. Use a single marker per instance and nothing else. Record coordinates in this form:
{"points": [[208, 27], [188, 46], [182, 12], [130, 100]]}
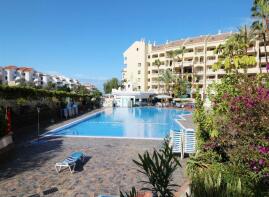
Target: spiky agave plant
{"points": [[132, 193], [159, 168]]}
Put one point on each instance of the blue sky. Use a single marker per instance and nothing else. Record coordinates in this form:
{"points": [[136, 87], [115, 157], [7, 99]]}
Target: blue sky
{"points": [[85, 39]]}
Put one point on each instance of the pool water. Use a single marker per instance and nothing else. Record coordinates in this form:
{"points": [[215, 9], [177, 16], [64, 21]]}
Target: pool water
{"points": [[138, 122]]}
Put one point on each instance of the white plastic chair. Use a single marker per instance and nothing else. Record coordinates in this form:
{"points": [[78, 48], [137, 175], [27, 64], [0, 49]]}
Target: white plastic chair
{"points": [[176, 141], [189, 141]]}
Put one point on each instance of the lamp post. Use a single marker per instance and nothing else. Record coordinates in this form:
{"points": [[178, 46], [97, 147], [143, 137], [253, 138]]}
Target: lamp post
{"points": [[38, 125]]}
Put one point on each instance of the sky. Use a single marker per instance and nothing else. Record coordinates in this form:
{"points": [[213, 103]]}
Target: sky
{"points": [[85, 39]]}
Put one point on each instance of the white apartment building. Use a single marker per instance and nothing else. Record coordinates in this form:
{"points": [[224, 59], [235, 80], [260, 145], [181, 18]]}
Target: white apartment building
{"points": [[135, 61], [12, 75], [196, 64]]}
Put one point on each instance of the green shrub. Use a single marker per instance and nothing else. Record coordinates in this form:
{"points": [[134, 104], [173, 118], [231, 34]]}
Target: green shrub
{"points": [[158, 168], [215, 186]]}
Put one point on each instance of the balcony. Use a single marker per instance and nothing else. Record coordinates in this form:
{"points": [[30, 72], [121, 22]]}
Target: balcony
{"points": [[263, 59], [262, 49], [198, 63], [208, 53], [187, 63], [199, 72], [211, 62], [252, 50], [189, 54]]}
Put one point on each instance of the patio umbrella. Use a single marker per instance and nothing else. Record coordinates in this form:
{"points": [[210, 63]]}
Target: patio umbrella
{"points": [[163, 96]]}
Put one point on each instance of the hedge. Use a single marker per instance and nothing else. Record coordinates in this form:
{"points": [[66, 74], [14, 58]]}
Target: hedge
{"points": [[13, 92]]}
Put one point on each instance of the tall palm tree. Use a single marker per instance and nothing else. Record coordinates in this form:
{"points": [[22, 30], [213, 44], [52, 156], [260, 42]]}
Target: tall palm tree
{"points": [[158, 63], [181, 51], [233, 54], [260, 13], [174, 54], [167, 78], [244, 38]]}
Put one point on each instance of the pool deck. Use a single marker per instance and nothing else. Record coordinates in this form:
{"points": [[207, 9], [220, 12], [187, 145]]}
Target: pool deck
{"points": [[108, 168], [186, 121]]}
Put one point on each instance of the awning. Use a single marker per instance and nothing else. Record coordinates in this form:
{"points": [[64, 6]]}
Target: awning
{"points": [[163, 96]]}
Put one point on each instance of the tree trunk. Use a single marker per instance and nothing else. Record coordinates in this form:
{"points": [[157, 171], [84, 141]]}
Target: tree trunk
{"points": [[265, 50], [182, 66], [158, 79], [260, 67]]}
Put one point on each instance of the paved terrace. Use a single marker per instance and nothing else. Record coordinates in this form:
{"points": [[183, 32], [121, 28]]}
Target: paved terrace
{"points": [[108, 168]]}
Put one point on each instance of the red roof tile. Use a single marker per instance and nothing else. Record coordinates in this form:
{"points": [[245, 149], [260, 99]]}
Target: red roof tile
{"points": [[11, 67]]}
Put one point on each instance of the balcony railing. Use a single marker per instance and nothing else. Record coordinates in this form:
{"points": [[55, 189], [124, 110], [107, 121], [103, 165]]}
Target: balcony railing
{"points": [[210, 62], [187, 63], [263, 49]]}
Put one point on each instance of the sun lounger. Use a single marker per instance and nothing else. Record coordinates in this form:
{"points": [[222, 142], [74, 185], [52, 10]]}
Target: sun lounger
{"points": [[70, 162], [176, 141], [189, 141]]}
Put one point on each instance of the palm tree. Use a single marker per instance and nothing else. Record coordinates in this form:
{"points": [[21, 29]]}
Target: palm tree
{"points": [[167, 78], [158, 63], [260, 13], [233, 54], [181, 51], [245, 37], [174, 54]]}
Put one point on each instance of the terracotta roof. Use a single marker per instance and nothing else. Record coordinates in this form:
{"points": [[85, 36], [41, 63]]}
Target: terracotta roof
{"points": [[219, 37], [25, 69], [193, 40], [11, 67]]}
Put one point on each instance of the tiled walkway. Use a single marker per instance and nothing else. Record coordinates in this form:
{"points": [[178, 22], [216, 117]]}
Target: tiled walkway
{"points": [[109, 169]]}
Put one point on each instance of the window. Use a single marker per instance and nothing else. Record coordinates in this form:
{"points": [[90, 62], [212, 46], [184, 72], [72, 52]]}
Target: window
{"points": [[139, 72], [148, 56], [137, 49], [148, 72], [125, 58], [161, 55], [155, 56], [148, 80], [139, 64]]}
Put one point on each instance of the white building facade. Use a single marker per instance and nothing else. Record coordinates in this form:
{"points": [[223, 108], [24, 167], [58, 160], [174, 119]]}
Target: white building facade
{"points": [[195, 65], [13, 75]]}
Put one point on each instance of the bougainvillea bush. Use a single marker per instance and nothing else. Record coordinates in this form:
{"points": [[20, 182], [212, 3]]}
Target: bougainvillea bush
{"points": [[239, 119]]}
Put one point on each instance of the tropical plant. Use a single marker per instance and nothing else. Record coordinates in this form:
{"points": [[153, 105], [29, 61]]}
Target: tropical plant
{"points": [[51, 86], [14, 92], [180, 87], [260, 13], [159, 169], [80, 89], [215, 186], [203, 122], [167, 78], [175, 55], [132, 193], [158, 63], [111, 84], [233, 53]]}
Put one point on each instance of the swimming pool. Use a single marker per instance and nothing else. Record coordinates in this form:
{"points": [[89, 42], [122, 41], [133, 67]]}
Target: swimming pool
{"points": [[138, 122]]}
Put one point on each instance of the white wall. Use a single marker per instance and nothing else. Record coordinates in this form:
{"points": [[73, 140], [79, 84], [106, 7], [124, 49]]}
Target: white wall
{"points": [[134, 56]]}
